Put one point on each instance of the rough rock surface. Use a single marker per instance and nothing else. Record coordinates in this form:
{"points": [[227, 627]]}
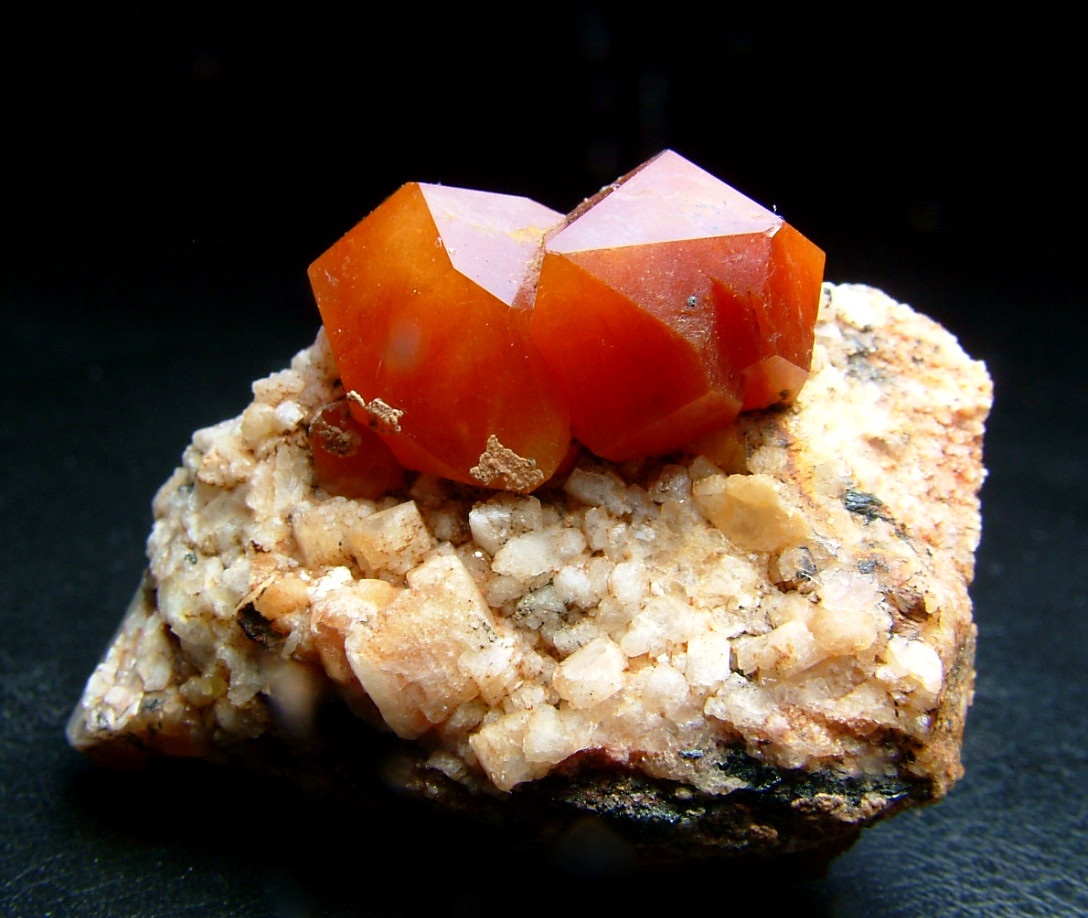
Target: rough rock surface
{"points": [[760, 644]]}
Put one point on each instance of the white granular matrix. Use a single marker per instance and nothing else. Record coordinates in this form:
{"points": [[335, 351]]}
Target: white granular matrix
{"points": [[795, 587]]}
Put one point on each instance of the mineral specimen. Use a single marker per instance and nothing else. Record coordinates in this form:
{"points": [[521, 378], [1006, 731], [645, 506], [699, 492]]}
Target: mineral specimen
{"points": [[653, 314], [757, 642], [668, 303], [427, 305]]}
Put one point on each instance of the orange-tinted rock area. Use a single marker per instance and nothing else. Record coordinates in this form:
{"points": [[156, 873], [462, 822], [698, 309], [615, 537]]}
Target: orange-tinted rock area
{"points": [[479, 333]]}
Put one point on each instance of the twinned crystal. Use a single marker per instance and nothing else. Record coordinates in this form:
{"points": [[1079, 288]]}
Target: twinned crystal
{"points": [[654, 313], [751, 639]]}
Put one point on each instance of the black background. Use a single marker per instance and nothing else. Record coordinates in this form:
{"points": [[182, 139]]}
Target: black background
{"points": [[169, 171]]}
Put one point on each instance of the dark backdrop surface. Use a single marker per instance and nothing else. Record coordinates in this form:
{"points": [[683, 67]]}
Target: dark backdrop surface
{"points": [[172, 170]]}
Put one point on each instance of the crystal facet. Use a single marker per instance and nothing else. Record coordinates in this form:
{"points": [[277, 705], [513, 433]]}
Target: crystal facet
{"points": [[427, 304], [477, 333], [670, 302]]}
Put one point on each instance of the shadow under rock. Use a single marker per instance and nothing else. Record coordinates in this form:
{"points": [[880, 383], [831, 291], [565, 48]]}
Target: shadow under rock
{"points": [[255, 838]]}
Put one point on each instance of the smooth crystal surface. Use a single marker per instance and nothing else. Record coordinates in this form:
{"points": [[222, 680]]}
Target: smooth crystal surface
{"points": [[478, 333], [669, 303], [427, 304]]}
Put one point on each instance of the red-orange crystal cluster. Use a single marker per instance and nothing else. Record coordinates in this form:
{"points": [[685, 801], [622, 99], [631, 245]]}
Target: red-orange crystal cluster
{"points": [[480, 335]]}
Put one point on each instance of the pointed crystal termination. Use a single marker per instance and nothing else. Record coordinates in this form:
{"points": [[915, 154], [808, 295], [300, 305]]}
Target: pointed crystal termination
{"points": [[670, 302], [427, 305]]}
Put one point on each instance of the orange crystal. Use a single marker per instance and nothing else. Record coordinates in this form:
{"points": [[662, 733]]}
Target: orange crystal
{"points": [[475, 331], [427, 305], [670, 302], [350, 460]]}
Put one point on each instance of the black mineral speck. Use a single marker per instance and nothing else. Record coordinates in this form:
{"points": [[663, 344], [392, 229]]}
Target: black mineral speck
{"points": [[257, 628], [864, 503]]}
